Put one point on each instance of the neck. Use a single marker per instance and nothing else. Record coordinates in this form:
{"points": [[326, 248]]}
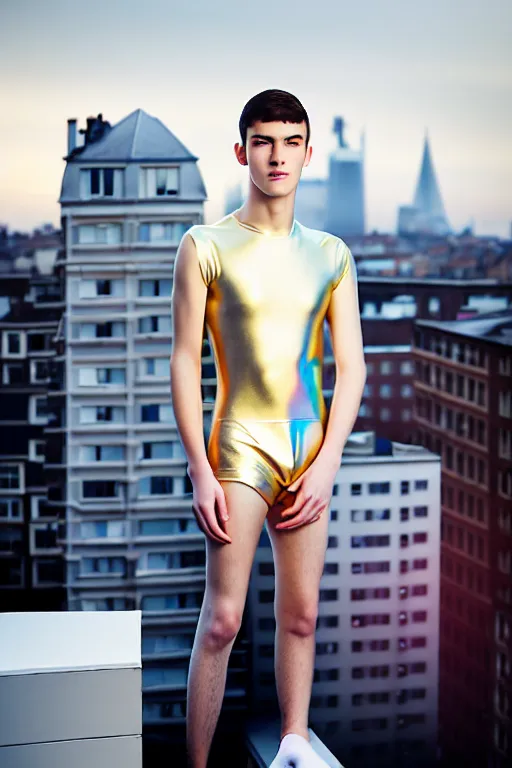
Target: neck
{"points": [[269, 215]]}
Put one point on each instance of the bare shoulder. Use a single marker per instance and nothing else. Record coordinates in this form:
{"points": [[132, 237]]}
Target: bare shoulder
{"points": [[186, 266]]}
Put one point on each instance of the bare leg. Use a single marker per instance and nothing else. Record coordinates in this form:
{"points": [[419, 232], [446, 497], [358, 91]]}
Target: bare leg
{"points": [[228, 569], [299, 557]]}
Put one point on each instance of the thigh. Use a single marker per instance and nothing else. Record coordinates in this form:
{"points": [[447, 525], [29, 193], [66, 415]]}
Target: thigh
{"points": [[228, 566], [299, 557]]}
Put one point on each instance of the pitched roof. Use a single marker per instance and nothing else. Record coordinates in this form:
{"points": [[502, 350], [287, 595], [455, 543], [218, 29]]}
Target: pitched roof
{"points": [[136, 137]]}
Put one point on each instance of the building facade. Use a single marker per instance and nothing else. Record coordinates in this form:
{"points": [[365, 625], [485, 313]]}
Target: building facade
{"points": [[463, 412], [31, 564], [375, 688], [116, 467]]}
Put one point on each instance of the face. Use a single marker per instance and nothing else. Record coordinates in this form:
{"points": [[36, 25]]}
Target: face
{"points": [[273, 147]]}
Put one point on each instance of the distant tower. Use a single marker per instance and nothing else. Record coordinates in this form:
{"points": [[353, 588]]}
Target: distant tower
{"points": [[427, 214], [345, 194]]}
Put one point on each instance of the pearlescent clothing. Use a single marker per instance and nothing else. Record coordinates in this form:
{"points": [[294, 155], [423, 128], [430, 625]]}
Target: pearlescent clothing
{"points": [[265, 307]]}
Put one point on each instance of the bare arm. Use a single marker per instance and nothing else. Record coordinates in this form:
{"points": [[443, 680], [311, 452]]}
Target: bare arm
{"points": [[188, 307], [344, 321]]}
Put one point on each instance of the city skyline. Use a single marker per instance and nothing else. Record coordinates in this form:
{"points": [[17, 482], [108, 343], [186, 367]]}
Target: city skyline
{"points": [[411, 71]]}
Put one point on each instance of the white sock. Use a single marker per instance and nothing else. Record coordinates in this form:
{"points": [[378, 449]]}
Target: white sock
{"points": [[295, 751]]}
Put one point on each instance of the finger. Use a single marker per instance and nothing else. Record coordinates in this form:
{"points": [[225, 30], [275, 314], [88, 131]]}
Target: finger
{"points": [[296, 484], [203, 525], [309, 511], [217, 530], [213, 529], [221, 501], [296, 506]]}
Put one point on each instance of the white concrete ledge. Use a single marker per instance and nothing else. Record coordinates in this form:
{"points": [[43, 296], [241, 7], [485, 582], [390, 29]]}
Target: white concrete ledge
{"points": [[57, 641]]}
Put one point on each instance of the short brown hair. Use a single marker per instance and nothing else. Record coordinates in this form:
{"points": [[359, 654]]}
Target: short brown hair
{"points": [[271, 105]]}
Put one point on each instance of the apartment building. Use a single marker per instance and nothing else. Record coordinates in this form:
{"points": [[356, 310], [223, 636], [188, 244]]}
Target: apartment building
{"points": [[390, 307], [463, 397], [116, 467], [375, 688], [31, 565]]}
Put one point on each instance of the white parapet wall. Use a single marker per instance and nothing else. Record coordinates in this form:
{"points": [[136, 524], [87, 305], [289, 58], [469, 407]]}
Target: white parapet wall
{"points": [[70, 689]]}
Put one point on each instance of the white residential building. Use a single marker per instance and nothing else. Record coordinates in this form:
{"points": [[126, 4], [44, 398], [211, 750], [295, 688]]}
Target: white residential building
{"points": [[375, 689], [129, 193]]}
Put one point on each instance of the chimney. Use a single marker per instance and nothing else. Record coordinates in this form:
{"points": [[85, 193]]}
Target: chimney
{"points": [[71, 135]]}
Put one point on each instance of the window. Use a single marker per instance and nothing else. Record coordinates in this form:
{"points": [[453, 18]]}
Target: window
{"points": [[38, 507], [105, 604], [10, 509], [406, 368], [406, 390], [155, 324], [105, 529], [168, 527], [155, 287], [13, 374], [157, 413], [100, 489], [102, 453], [385, 390], [162, 232], [156, 366], [101, 182], [102, 565], [36, 450], [38, 412], [383, 487], [110, 329], [39, 342], [156, 486], [97, 234], [11, 477], [92, 377], [94, 414], [159, 450], [386, 367], [92, 289], [434, 304], [13, 344], [39, 371], [159, 181]]}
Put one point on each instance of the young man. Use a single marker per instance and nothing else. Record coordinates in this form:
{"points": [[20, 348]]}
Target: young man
{"points": [[263, 284]]}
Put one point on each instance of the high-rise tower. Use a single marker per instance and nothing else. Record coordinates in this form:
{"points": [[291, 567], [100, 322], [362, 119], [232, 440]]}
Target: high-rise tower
{"points": [[426, 214], [345, 187]]}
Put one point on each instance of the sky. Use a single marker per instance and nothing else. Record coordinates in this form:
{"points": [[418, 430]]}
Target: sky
{"points": [[393, 68]]}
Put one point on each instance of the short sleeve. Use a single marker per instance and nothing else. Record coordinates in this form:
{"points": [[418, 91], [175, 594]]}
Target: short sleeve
{"points": [[344, 261], [206, 253]]}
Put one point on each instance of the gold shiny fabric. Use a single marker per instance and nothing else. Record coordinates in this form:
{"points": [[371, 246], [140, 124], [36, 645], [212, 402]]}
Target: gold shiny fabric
{"points": [[265, 307]]}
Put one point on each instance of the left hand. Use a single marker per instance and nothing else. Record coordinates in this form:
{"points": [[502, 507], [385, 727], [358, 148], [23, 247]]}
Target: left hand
{"points": [[314, 491]]}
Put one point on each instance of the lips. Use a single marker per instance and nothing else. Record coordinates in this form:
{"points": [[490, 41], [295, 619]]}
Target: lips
{"points": [[277, 175]]}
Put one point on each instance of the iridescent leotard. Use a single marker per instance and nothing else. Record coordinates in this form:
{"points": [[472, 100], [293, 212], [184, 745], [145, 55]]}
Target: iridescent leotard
{"points": [[265, 307]]}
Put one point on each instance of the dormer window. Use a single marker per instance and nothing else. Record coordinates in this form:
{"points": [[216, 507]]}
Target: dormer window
{"points": [[101, 182], [158, 182]]}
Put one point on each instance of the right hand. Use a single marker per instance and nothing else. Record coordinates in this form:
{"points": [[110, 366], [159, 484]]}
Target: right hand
{"points": [[208, 500]]}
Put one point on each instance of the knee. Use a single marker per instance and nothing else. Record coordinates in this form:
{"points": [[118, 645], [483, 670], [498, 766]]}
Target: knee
{"points": [[222, 625], [300, 620]]}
